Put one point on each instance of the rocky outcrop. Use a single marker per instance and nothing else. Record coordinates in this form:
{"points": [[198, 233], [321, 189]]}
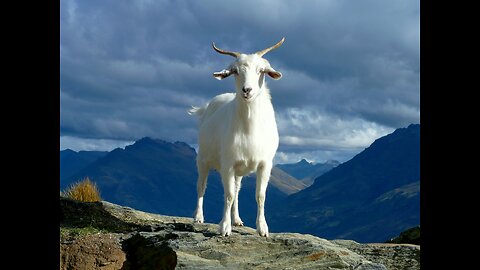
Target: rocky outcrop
{"points": [[393, 256], [119, 237], [93, 251]]}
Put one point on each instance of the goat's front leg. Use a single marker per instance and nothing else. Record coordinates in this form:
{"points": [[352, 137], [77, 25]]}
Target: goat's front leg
{"points": [[263, 175], [229, 194], [237, 221]]}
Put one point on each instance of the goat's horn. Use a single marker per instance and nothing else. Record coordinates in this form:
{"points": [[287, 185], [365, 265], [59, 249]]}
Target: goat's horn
{"points": [[234, 54], [263, 52]]}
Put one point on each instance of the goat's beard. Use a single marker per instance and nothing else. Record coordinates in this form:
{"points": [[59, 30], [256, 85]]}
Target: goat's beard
{"points": [[252, 98], [246, 98]]}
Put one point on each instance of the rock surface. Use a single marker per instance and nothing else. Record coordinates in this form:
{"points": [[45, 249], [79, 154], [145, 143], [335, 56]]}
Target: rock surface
{"points": [[393, 256], [96, 251], [124, 238]]}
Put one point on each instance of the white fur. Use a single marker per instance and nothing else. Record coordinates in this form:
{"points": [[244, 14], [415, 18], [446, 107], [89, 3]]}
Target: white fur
{"points": [[238, 135]]}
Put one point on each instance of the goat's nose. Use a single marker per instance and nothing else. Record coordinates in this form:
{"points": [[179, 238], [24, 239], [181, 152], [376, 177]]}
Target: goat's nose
{"points": [[246, 90]]}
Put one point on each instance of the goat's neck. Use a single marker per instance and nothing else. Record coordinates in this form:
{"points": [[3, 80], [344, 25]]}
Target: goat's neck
{"points": [[249, 112]]}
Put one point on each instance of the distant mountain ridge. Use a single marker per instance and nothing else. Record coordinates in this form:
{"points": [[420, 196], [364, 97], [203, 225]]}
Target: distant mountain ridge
{"points": [[307, 171], [73, 161], [370, 198], [150, 174]]}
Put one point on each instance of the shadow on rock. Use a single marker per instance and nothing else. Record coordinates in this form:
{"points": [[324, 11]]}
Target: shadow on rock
{"points": [[145, 253], [74, 214]]}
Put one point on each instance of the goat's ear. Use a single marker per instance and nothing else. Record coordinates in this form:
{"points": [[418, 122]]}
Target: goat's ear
{"points": [[276, 75], [222, 74]]}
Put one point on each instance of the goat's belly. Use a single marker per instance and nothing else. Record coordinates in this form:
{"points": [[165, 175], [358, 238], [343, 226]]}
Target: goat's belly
{"points": [[244, 167], [246, 160]]}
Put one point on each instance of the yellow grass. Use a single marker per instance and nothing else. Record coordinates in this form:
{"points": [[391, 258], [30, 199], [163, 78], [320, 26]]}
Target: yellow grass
{"points": [[84, 191]]}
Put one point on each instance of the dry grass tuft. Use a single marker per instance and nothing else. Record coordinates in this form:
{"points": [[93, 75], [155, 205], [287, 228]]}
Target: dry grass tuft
{"points": [[84, 191]]}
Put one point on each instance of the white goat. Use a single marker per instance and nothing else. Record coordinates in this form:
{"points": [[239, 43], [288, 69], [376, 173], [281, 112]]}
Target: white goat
{"points": [[238, 135]]}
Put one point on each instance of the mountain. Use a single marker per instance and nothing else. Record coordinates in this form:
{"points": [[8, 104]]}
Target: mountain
{"points": [[158, 176], [307, 171], [285, 182], [72, 161], [370, 198], [410, 236], [151, 175]]}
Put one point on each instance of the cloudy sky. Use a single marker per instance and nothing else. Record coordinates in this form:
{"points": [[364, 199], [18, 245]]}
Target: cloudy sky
{"points": [[130, 69]]}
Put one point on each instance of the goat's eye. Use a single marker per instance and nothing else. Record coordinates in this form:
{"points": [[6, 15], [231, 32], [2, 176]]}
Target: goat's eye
{"points": [[234, 70]]}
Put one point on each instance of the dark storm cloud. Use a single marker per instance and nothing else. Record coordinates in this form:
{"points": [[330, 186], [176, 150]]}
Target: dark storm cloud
{"points": [[132, 68]]}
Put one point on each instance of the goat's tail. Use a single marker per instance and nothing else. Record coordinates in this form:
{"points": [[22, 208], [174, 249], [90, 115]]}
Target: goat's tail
{"points": [[199, 111]]}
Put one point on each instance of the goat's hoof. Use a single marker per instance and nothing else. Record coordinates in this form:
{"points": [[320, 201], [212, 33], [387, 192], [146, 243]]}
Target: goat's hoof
{"points": [[198, 218], [263, 234], [225, 228], [238, 222], [262, 229]]}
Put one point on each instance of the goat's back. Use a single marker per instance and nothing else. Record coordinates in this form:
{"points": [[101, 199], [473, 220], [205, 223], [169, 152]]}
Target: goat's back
{"points": [[214, 105]]}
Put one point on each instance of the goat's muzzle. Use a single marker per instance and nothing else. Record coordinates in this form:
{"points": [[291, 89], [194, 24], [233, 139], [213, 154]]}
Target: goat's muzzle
{"points": [[246, 90], [246, 93]]}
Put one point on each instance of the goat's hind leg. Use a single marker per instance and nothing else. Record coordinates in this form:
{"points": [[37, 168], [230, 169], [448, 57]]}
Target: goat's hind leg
{"points": [[201, 187]]}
